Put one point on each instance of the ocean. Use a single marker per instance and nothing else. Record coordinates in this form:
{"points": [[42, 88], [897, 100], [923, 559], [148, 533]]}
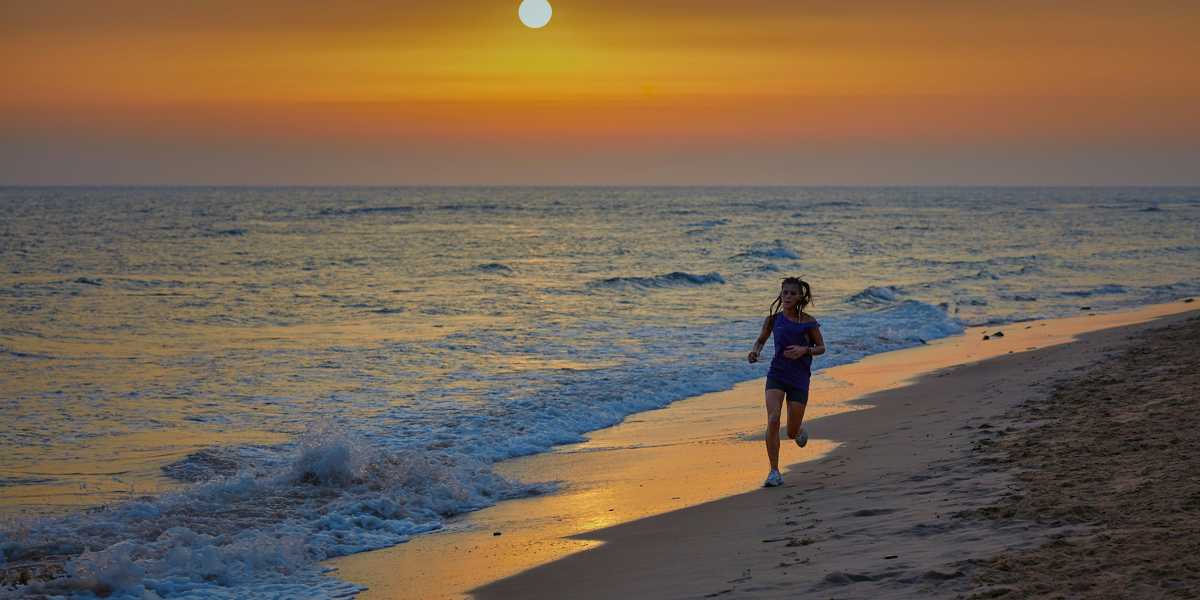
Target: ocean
{"points": [[207, 391]]}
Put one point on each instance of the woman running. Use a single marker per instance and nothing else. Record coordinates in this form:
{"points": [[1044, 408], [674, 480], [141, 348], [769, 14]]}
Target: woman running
{"points": [[797, 340]]}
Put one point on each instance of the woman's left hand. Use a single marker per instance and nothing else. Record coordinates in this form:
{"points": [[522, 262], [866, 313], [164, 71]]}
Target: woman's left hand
{"points": [[795, 352]]}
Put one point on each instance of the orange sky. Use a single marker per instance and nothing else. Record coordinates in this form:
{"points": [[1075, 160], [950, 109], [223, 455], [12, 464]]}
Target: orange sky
{"points": [[671, 91]]}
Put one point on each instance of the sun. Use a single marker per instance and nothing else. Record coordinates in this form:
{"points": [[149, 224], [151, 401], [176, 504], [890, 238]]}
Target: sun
{"points": [[535, 13]]}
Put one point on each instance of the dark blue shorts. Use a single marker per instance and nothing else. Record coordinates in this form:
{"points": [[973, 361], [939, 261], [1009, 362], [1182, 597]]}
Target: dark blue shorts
{"points": [[791, 392]]}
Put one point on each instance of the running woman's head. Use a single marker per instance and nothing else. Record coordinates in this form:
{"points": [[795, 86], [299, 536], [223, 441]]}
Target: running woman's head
{"points": [[792, 292]]}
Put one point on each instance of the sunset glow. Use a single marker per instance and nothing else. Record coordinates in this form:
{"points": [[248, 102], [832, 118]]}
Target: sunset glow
{"points": [[685, 85]]}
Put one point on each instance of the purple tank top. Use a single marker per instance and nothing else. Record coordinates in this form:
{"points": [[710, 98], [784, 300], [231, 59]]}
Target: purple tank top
{"points": [[787, 332]]}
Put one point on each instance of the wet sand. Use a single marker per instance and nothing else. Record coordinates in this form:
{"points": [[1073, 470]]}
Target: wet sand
{"points": [[667, 504]]}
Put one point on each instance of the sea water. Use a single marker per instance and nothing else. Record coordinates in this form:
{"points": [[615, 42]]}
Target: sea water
{"points": [[374, 351]]}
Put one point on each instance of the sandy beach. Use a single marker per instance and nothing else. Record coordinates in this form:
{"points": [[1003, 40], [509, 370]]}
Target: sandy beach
{"points": [[921, 500], [900, 494], [1112, 452]]}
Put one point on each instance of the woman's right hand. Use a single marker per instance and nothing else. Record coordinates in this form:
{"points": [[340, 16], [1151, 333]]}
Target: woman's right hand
{"points": [[753, 356]]}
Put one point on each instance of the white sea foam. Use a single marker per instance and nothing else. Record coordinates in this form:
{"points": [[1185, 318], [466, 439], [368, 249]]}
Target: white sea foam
{"points": [[673, 279], [265, 527], [876, 295]]}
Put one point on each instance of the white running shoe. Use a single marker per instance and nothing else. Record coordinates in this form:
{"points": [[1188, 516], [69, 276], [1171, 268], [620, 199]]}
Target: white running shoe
{"points": [[802, 438], [773, 479]]}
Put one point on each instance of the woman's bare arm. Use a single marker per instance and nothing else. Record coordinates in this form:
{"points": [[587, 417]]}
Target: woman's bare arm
{"points": [[818, 341], [768, 323]]}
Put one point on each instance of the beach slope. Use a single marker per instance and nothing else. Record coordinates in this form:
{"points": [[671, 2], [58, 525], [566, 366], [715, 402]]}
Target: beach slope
{"points": [[944, 488]]}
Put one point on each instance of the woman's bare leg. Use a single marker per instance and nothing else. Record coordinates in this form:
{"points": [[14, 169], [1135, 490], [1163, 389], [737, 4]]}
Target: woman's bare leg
{"points": [[795, 418], [774, 408]]}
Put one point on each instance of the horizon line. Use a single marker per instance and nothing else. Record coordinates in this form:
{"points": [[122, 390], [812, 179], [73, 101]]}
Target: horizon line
{"points": [[596, 185]]}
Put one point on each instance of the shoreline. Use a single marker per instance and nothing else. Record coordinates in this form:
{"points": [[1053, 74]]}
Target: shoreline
{"points": [[696, 452], [875, 519]]}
